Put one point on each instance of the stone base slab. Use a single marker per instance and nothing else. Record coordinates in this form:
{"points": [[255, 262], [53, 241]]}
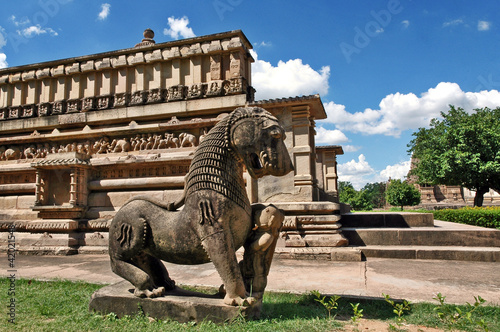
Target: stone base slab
{"points": [[343, 254], [180, 305], [315, 239], [388, 219]]}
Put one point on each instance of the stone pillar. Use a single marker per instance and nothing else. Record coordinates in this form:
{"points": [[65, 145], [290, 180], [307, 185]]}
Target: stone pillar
{"points": [[236, 66], [38, 188], [74, 88], [215, 67], [196, 74], [303, 152], [327, 171], [155, 76], [176, 72], [72, 188], [46, 90], [4, 92], [139, 84], [31, 86], [17, 89]]}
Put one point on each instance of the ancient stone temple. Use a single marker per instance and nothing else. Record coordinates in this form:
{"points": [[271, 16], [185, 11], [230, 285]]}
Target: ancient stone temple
{"points": [[81, 136]]}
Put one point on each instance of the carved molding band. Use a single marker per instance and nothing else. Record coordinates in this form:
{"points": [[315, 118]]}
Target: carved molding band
{"points": [[173, 93]]}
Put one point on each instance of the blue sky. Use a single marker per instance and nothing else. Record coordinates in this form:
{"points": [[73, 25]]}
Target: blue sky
{"points": [[383, 68]]}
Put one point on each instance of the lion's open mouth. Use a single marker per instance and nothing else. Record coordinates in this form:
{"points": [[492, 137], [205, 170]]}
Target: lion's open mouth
{"points": [[259, 162], [255, 160]]}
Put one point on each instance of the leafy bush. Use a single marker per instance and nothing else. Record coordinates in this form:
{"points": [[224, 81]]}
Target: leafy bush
{"points": [[477, 216]]}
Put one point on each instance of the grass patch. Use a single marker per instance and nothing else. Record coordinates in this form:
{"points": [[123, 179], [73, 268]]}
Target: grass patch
{"points": [[63, 306]]}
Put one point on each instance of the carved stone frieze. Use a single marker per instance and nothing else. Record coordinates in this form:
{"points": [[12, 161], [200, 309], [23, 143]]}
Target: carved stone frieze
{"points": [[121, 99], [196, 91], [122, 144], [104, 102], [88, 104], [235, 86], [173, 93], [44, 109], [214, 88], [138, 98], [52, 225], [155, 96], [176, 92], [59, 107], [74, 105], [129, 172], [28, 111], [14, 112], [12, 178]]}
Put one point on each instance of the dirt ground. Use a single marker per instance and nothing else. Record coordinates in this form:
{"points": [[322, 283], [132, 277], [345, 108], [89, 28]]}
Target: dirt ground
{"points": [[369, 325]]}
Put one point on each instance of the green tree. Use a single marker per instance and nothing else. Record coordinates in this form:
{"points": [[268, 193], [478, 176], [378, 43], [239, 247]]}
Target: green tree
{"points": [[346, 192], [358, 200], [376, 193], [401, 193], [461, 149]]}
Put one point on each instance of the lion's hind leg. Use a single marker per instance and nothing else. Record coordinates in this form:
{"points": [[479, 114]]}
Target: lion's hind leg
{"points": [[127, 242], [156, 270], [144, 286]]}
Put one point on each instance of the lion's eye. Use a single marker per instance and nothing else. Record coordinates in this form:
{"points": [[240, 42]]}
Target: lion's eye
{"points": [[276, 133]]}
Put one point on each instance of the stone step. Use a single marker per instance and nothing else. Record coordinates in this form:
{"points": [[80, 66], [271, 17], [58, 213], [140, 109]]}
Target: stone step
{"points": [[360, 253], [387, 219], [478, 254], [476, 237]]}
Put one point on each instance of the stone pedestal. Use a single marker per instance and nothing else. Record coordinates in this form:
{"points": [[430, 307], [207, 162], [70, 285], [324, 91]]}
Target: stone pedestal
{"points": [[180, 305], [312, 224]]}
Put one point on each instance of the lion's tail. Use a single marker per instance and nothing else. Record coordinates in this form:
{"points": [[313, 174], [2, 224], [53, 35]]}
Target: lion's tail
{"points": [[170, 206]]}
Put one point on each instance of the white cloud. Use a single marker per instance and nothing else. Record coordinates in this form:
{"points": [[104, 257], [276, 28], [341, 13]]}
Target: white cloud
{"points": [[359, 172], [453, 22], [354, 171], [23, 21], [399, 112], [350, 148], [330, 137], [262, 44], [3, 61], [178, 27], [105, 8], [398, 171], [405, 24], [291, 78], [36, 30], [3, 41], [483, 25]]}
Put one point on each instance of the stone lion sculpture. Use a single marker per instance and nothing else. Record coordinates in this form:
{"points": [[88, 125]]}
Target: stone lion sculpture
{"points": [[216, 218]]}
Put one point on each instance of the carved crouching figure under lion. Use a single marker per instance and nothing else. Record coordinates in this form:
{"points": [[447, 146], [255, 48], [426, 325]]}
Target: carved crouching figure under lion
{"points": [[216, 218]]}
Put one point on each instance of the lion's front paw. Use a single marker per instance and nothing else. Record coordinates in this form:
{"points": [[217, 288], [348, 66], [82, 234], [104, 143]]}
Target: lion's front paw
{"points": [[156, 292], [239, 301]]}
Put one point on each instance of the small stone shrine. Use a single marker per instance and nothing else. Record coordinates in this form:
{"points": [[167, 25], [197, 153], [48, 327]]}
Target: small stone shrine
{"points": [[79, 137]]}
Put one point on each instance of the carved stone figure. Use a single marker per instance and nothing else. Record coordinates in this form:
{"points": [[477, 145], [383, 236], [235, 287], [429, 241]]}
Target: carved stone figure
{"points": [[259, 248], [217, 216], [29, 152], [171, 142], [11, 154], [187, 140], [120, 145]]}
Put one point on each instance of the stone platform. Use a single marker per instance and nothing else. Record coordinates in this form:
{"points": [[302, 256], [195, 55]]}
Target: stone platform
{"points": [[180, 305]]}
